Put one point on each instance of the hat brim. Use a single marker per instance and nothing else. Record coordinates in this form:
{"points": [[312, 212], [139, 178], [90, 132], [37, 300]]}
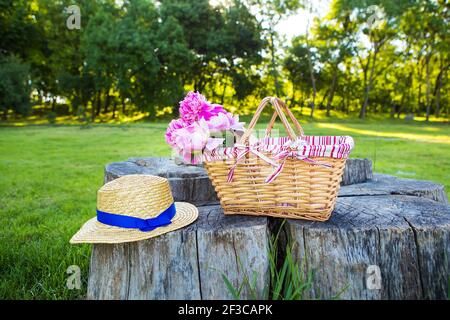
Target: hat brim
{"points": [[96, 232]]}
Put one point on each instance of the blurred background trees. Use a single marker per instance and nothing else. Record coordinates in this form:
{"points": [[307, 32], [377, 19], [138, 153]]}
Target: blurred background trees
{"points": [[143, 55]]}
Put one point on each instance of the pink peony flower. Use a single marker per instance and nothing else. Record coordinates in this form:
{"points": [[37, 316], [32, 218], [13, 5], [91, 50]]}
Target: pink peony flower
{"points": [[195, 107], [225, 121], [214, 143], [174, 125], [190, 135], [191, 140]]}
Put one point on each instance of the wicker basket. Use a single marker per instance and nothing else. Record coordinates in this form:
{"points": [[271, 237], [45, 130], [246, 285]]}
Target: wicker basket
{"points": [[295, 177]]}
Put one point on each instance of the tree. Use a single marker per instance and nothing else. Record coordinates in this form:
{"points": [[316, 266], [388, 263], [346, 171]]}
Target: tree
{"points": [[239, 47], [378, 28], [199, 23], [297, 65], [270, 13], [99, 54], [15, 87], [145, 54], [336, 42]]}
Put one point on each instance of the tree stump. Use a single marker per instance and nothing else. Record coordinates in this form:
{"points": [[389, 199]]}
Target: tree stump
{"points": [[188, 183], [383, 184], [356, 171], [399, 227], [405, 238], [187, 263], [192, 184]]}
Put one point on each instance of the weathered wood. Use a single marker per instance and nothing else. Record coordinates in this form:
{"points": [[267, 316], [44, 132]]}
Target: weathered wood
{"points": [[109, 267], [164, 267], [236, 246], [407, 237], [357, 171], [191, 183], [400, 225], [383, 184], [188, 183], [185, 264]]}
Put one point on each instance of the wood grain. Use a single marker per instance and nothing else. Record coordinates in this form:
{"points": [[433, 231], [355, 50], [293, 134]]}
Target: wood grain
{"points": [[405, 236], [187, 263]]}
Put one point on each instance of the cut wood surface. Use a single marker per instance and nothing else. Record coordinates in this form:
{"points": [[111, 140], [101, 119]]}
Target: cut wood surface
{"points": [[383, 184], [400, 226], [185, 264], [188, 183], [192, 184]]}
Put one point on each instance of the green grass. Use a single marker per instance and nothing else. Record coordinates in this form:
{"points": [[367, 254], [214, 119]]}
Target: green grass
{"points": [[49, 177], [290, 281]]}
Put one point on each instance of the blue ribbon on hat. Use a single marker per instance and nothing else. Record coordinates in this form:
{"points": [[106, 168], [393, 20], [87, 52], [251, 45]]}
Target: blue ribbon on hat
{"points": [[117, 220]]}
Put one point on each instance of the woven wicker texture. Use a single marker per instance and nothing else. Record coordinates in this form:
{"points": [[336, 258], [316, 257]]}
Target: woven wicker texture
{"points": [[141, 196], [301, 191]]}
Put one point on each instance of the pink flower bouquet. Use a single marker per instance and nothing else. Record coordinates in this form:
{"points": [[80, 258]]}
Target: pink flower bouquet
{"points": [[197, 129]]}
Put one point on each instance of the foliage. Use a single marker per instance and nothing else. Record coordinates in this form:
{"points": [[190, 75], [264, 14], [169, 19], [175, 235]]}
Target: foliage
{"points": [[14, 86], [144, 55], [290, 281], [287, 282]]}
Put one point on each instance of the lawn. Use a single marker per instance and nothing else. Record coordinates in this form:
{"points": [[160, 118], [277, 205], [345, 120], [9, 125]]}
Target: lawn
{"points": [[49, 176]]}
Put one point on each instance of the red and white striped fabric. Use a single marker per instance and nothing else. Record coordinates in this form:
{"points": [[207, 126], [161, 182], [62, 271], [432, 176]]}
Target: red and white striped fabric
{"points": [[338, 147]]}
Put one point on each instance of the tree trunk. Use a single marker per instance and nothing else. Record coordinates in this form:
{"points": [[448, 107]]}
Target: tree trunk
{"points": [[292, 102], [273, 62], [428, 72], [325, 97], [362, 113], [437, 89], [400, 107], [114, 108], [123, 105], [99, 102], [437, 100], [369, 83], [393, 110], [393, 104], [365, 68], [313, 83], [332, 90], [199, 84], [53, 104], [447, 109], [93, 109], [344, 98], [107, 102], [419, 80]]}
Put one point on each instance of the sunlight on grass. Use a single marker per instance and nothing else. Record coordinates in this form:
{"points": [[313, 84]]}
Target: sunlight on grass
{"points": [[389, 134], [74, 120]]}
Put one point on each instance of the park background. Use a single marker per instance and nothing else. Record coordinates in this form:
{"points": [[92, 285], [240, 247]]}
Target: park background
{"points": [[72, 100]]}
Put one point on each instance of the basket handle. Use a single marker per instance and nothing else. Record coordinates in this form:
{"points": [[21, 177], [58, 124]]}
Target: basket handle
{"points": [[275, 102], [294, 120]]}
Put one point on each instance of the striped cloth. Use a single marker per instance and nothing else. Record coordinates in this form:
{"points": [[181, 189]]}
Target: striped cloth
{"points": [[309, 146]]}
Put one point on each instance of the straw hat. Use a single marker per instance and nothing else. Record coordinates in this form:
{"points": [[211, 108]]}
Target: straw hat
{"points": [[135, 207]]}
